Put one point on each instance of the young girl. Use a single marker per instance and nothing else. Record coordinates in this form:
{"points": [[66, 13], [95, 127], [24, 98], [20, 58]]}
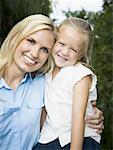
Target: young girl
{"points": [[70, 88]]}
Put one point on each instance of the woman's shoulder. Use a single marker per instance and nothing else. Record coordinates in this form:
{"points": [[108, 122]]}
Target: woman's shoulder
{"points": [[39, 79]]}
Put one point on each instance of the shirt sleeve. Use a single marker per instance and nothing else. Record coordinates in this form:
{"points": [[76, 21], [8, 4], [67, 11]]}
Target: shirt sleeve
{"points": [[82, 71]]}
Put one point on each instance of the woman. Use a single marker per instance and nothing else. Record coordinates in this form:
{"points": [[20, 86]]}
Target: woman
{"points": [[26, 49]]}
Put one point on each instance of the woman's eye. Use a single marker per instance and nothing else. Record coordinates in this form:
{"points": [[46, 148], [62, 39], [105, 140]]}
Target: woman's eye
{"points": [[61, 43], [32, 41], [45, 50]]}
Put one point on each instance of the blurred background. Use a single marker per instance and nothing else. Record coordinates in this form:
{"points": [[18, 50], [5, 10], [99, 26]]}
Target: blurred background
{"points": [[100, 14]]}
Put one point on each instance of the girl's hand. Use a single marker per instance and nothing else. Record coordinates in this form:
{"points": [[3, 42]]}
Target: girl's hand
{"points": [[96, 121]]}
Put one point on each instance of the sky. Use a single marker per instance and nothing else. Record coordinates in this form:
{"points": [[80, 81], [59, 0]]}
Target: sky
{"points": [[74, 5]]}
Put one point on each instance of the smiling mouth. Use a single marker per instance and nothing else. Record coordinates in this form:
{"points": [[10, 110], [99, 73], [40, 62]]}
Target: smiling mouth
{"points": [[62, 57], [29, 61]]}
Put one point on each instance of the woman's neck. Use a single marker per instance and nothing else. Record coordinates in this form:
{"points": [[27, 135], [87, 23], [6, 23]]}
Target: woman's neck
{"points": [[12, 78]]}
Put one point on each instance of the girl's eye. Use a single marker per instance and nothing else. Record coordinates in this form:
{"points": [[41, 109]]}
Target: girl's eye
{"points": [[45, 50], [32, 41], [74, 50]]}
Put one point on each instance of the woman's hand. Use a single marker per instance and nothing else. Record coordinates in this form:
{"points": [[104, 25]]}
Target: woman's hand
{"points": [[96, 121]]}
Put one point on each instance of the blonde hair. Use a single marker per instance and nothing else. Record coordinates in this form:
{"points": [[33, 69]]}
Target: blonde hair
{"points": [[20, 31], [81, 26]]}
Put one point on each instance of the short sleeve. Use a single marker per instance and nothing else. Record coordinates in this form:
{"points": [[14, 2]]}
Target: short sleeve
{"points": [[80, 71]]}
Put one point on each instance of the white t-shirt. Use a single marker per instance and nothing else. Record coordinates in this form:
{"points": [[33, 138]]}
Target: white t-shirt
{"points": [[58, 103]]}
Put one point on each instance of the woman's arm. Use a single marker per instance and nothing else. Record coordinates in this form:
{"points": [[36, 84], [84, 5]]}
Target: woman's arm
{"points": [[80, 98]]}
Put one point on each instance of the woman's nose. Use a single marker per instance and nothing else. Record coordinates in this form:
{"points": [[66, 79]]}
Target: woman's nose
{"points": [[35, 52]]}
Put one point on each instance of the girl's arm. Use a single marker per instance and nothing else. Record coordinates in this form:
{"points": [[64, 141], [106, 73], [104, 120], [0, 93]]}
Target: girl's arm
{"points": [[80, 98], [43, 117]]}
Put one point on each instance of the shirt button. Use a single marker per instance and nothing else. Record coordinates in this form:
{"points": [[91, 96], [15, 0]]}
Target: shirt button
{"points": [[14, 113]]}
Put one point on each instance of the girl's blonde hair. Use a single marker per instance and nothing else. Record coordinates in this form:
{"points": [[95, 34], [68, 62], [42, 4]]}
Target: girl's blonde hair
{"points": [[81, 26], [20, 31]]}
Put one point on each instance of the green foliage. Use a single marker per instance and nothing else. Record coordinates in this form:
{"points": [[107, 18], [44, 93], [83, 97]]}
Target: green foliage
{"points": [[12, 11], [102, 61]]}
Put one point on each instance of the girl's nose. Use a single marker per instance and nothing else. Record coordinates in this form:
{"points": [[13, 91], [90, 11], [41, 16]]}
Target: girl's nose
{"points": [[65, 51]]}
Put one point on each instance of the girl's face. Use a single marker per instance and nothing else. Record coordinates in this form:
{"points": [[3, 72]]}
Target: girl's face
{"points": [[32, 52], [68, 47]]}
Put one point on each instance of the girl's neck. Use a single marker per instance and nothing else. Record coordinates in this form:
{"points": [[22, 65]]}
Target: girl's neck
{"points": [[55, 71]]}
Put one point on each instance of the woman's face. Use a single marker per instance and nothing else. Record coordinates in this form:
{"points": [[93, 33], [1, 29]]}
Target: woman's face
{"points": [[32, 52]]}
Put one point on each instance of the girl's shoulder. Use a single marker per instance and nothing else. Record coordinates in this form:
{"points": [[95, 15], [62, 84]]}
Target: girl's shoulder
{"points": [[78, 69], [76, 72], [83, 70]]}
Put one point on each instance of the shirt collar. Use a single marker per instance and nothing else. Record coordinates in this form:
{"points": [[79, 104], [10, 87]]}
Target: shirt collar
{"points": [[4, 84], [27, 75]]}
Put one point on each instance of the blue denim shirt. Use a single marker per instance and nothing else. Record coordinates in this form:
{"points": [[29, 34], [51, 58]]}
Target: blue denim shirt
{"points": [[20, 112]]}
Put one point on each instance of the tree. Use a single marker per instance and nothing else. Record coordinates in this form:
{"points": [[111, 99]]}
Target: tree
{"points": [[12, 11], [102, 60]]}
